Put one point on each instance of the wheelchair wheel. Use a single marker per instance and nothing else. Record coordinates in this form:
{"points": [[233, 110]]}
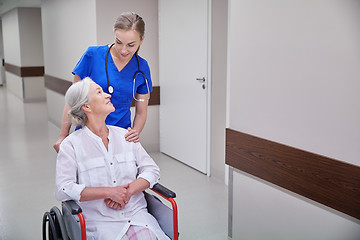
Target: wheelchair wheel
{"points": [[55, 227], [52, 232]]}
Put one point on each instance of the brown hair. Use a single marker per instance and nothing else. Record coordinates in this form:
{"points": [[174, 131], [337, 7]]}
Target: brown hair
{"points": [[130, 21]]}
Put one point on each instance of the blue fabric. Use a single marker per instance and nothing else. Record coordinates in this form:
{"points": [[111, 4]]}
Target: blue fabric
{"points": [[92, 64]]}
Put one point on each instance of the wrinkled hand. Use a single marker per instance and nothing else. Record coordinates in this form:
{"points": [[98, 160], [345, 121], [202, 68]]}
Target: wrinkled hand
{"points": [[132, 135], [114, 205], [119, 197]]}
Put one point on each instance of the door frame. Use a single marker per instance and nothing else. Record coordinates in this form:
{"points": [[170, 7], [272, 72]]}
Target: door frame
{"points": [[208, 117]]}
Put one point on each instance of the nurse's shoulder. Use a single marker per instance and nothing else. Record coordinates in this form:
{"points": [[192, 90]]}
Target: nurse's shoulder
{"points": [[96, 50]]}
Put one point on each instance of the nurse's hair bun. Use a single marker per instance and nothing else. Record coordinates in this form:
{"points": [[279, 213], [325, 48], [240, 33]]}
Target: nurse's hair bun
{"points": [[76, 96]]}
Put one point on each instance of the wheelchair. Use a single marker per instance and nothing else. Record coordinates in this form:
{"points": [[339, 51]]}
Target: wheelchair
{"points": [[70, 223]]}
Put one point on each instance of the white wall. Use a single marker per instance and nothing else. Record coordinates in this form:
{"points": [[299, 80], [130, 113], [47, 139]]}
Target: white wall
{"points": [[218, 87], [11, 41], [14, 84], [263, 211], [68, 29], [23, 48], [11, 37], [295, 74], [31, 44], [23, 37], [31, 47], [7, 5], [2, 70], [294, 79]]}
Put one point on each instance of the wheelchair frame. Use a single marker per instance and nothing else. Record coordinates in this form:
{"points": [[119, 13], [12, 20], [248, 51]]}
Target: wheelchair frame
{"points": [[57, 229]]}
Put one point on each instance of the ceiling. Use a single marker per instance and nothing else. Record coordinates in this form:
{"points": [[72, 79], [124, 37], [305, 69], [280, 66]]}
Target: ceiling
{"points": [[7, 5]]}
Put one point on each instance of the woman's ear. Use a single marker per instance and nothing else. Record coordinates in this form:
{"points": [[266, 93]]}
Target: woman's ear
{"points": [[142, 39], [86, 108]]}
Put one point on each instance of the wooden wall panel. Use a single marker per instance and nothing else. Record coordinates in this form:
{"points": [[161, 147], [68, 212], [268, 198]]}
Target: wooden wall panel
{"points": [[56, 84], [333, 183], [24, 71], [60, 86]]}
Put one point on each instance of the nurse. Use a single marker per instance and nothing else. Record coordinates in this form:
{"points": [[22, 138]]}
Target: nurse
{"points": [[120, 61]]}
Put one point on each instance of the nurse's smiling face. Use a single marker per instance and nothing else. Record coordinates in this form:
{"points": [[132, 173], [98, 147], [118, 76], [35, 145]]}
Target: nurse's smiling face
{"points": [[127, 42]]}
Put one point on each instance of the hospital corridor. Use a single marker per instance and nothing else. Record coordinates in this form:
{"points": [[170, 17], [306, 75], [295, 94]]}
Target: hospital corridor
{"points": [[27, 176], [251, 110]]}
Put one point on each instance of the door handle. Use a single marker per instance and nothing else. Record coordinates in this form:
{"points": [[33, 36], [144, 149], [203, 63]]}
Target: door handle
{"points": [[201, 79]]}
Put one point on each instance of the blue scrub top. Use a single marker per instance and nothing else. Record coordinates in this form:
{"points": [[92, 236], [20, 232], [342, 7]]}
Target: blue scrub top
{"points": [[92, 64]]}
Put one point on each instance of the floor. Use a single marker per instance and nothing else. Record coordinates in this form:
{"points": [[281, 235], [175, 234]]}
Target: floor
{"points": [[27, 163]]}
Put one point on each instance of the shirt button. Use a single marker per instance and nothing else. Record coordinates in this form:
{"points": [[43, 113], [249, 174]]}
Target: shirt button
{"points": [[111, 163], [129, 221], [114, 181]]}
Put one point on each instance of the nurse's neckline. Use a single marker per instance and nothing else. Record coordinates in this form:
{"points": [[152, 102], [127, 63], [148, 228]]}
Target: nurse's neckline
{"points": [[117, 61]]}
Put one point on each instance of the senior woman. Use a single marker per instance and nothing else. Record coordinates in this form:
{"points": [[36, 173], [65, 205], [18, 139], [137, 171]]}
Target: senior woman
{"points": [[107, 175]]}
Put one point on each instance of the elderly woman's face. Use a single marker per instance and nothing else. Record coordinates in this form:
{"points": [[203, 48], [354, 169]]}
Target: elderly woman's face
{"points": [[99, 101], [126, 43]]}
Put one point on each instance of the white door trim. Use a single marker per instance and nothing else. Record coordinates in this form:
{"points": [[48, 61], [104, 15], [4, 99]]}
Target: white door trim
{"points": [[208, 117], [228, 86]]}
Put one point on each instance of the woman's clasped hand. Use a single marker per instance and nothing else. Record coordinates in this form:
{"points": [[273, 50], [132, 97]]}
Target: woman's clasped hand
{"points": [[120, 196]]}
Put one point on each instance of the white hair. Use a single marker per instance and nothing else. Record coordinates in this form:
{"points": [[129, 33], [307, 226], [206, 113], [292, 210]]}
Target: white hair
{"points": [[76, 96]]}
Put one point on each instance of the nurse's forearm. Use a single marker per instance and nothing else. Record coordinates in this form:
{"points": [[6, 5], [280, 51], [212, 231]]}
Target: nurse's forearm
{"points": [[65, 123], [139, 121], [65, 128], [140, 115]]}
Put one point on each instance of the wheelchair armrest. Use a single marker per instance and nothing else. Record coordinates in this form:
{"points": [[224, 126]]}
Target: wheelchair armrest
{"points": [[163, 191], [73, 207]]}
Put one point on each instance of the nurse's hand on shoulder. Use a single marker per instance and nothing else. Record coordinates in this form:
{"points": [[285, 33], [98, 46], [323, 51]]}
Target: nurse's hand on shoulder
{"points": [[132, 135], [56, 146]]}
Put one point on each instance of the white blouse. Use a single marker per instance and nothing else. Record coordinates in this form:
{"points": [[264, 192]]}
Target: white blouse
{"points": [[84, 161]]}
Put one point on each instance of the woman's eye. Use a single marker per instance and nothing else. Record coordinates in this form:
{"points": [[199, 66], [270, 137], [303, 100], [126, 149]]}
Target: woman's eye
{"points": [[131, 45]]}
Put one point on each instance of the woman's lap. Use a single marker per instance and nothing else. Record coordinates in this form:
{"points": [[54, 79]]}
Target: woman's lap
{"points": [[139, 233]]}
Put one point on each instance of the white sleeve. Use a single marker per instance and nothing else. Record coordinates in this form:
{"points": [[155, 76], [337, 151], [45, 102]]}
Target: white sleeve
{"points": [[147, 168], [67, 187]]}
